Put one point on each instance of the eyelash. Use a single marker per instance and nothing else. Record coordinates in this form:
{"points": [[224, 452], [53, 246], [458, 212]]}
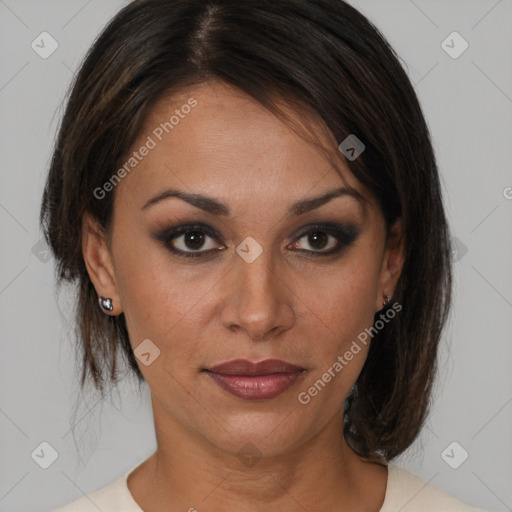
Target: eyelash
{"points": [[345, 235]]}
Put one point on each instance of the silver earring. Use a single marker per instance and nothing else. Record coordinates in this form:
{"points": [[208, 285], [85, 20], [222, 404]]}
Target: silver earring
{"points": [[387, 299], [105, 304]]}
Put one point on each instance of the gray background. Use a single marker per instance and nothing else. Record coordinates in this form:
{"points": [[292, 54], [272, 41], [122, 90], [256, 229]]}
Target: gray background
{"points": [[468, 105]]}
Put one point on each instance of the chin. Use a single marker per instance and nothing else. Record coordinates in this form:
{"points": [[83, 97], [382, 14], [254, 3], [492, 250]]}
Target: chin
{"points": [[259, 435]]}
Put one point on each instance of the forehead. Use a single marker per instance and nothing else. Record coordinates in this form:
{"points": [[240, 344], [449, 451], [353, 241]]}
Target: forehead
{"points": [[214, 138]]}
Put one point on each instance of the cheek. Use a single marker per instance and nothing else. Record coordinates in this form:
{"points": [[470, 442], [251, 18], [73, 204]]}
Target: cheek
{"points": [[344, 308], [160, 303], [345, 301]]}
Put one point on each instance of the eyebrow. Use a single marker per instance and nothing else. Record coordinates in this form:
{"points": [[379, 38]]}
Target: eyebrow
{"points": [[215, 207]]}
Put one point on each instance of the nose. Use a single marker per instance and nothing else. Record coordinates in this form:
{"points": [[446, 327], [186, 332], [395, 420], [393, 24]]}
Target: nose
{"points": [[260, 302]]}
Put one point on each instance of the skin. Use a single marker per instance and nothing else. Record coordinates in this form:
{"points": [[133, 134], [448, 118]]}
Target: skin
{"points": [[287, 304]]}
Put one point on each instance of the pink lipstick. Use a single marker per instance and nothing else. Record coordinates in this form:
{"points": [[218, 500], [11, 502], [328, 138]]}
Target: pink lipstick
{"points": [[255, 381]]}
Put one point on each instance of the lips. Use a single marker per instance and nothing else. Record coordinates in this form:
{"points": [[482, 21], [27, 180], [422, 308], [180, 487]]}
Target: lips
{"points": [[244, 367], [255, 381]]}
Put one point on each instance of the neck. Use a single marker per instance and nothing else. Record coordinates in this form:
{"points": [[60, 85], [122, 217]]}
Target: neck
{"points": [[187, 472]]}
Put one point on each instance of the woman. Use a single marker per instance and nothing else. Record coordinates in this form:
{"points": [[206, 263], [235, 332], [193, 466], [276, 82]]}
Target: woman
{"points": [[247, 197]]}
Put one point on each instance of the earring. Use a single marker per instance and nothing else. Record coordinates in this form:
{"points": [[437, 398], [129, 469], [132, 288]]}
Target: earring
{"points": [[387, 299], [105, 304]]}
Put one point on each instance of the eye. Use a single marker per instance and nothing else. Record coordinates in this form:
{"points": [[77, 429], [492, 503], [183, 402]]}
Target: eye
{"points": [[325, 239], [198, 240], [192, 240]]}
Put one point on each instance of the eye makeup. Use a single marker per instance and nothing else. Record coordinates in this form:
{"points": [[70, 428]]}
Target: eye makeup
{"points": [[188, 240]]}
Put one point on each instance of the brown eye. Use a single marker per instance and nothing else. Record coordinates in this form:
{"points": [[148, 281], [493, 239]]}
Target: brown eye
{"points": [[191, 240], [325, 239], [318, 240]]}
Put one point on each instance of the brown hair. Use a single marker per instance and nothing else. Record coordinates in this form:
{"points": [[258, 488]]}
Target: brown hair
{"points": [[323, 54]]}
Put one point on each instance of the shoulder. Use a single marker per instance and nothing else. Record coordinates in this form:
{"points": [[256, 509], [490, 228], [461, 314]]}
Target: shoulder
{"points": [[410, 493], [113, 497]]}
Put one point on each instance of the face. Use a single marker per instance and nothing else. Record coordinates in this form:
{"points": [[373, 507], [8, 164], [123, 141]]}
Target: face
{"points": [[244, 266]]}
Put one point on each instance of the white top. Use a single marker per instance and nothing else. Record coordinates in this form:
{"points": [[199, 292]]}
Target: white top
{"points": [[404, 491]]}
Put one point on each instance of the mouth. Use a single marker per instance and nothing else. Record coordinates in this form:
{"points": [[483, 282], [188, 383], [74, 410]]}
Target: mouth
{"points": [[255, 381]]}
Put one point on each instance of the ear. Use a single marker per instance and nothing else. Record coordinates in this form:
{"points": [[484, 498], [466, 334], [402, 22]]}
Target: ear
{"points": [[392, 263], [98, 262]]}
